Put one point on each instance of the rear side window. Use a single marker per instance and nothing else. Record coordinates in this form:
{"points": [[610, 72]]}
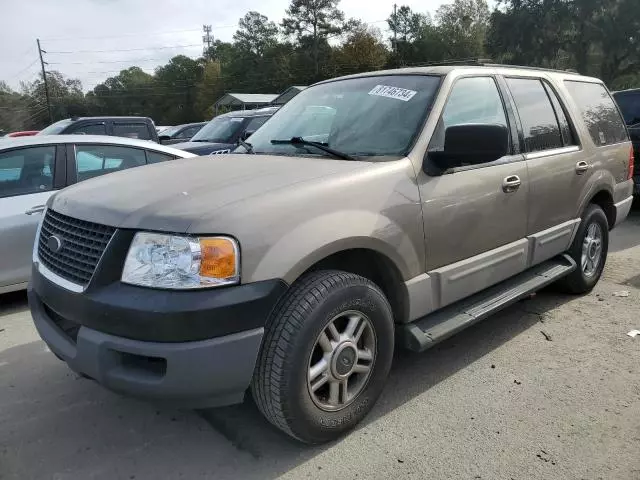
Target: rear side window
{"points": [[538, 118], [189, 131], [26, 170], [95, 160], [598, 111], [629, 103], [156, 157], [131, 130], [90, 129]]}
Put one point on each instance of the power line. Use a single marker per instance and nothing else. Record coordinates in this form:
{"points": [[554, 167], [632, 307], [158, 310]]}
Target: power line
{"points": [[127, 49], [23, 70], [137, 34], [112, 61]]}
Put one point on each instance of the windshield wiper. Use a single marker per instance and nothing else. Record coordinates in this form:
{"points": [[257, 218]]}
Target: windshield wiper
{"points": [[247, 146], [299, 141]]}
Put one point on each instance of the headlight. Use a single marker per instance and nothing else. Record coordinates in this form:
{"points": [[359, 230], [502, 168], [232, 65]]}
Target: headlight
{"points": [[177, 262]]}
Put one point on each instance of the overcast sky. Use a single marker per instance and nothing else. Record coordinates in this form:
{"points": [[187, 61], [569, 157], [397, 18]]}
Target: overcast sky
{"points": [[141, 26]]}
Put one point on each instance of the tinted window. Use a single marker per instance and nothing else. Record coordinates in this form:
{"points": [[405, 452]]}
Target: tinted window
{"points": [[91, 129], [629, 103], [256, 123], [26, 170], [472, 100], [539, 122], [598, 111], [96, 160], [365, 116], [131, 130], [156, 157]]}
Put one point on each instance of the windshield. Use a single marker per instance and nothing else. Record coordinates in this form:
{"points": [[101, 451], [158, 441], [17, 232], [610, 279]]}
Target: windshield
{"points": [[368, 116], [629, 103], [55, 128], [219, 130], [169, 132]]}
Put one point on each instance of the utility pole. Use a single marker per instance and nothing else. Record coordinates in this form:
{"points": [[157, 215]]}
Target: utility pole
{"points": [[44, 79], [395, 32], [207, 39]]}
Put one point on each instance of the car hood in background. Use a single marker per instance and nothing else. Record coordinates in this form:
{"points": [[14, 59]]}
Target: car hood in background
{"points": [[203, 148], [170, 196]]}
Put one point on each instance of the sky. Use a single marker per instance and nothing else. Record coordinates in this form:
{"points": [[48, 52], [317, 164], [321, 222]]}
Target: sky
{"points": [[94, 39]]}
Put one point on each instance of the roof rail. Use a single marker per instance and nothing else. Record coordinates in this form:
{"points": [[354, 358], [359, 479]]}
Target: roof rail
{"points": [[486, 62]]}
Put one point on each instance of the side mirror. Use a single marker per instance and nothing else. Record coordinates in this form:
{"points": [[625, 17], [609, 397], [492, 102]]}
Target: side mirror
{"points": [[471, 144], [164, 138], [247, 133]]}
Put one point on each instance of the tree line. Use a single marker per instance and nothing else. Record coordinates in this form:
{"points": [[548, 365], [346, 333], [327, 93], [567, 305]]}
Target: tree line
{"points": [[315, 41]]}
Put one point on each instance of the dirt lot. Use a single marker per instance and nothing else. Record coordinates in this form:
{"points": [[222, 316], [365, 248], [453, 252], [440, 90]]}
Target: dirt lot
{"points": [[548, 389]]}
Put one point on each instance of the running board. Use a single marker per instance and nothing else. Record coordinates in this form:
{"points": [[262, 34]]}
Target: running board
{"points": [[440, 325]]}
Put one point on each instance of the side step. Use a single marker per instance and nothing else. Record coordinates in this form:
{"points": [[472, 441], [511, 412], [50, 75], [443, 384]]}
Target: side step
{"points": [[440, 325]]}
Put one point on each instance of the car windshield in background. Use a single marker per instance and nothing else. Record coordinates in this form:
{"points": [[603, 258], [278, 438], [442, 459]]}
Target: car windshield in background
{"points": [[629, 103], [367, 116], [170, 131], [219, 130], [55, 128]]}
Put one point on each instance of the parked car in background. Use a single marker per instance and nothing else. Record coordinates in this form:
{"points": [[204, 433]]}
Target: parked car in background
{"points": [[221, 135], [629, 103], [180, 133], [292, 267], [23, 133], [33, 168], [161, 128], [141, 128]]}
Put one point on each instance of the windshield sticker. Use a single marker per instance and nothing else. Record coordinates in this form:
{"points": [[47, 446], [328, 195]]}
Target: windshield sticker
{"points": [[393, 92]]}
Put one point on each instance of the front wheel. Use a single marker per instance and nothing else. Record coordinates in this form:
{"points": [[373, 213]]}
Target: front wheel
{"points": [[589, 250], [326, 354]]}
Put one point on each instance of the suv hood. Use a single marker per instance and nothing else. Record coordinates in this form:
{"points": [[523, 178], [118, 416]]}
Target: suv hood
{"points": [[203, 148], [170, 196]]}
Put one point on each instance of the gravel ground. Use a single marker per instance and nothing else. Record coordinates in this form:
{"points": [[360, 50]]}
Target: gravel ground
{"points": [[547, 389]]}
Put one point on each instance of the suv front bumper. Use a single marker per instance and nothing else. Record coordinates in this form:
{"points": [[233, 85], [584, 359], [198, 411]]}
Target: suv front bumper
{"points": [[195, 373]]}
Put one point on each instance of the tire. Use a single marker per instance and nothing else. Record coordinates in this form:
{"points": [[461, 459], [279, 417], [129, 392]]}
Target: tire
{"points": [[282, 382], [581, 281]]}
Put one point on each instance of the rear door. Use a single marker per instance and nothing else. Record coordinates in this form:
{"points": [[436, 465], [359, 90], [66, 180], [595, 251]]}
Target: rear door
{"points": [[28, 177], [557, 170]]}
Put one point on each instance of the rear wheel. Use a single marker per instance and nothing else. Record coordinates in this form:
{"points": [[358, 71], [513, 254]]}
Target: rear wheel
{"points": [[589, 250], [326, 355]]}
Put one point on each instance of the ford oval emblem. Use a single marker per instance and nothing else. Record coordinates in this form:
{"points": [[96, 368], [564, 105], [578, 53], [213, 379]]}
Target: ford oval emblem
{"points": [[54, 243]]}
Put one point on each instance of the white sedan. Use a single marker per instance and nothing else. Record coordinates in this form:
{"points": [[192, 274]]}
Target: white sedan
{"points": [[33, 168]]}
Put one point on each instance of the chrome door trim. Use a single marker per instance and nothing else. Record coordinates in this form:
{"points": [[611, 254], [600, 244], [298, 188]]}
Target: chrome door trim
{"points": [[552, 152]]}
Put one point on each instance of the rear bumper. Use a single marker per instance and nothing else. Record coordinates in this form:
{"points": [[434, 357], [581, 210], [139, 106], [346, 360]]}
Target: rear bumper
{"points": [[623, 208], [196, 374]]}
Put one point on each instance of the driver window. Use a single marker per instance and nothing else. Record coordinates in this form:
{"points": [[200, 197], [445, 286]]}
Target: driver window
{"points": [[472, 100]]}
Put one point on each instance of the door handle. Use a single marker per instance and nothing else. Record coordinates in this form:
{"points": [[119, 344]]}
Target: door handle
{"points": [[581, 167], [36, 209], [511, 184]]}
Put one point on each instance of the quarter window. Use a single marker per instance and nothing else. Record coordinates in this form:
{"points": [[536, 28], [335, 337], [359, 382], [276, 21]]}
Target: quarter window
{"points": [[95, 160], [472, 100], [26, 170], [598, 111], [91, 129], [539, 123], [131, 130]]}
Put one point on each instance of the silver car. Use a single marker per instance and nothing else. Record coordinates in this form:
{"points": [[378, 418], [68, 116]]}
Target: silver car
{"points": [[33, 168]]}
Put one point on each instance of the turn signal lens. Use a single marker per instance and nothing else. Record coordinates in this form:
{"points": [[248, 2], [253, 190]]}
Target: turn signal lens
{"points": [[631, 163], [219, 258]]}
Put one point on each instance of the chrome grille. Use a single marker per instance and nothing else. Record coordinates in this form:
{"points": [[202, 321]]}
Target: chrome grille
{"points": [[82, 246]]}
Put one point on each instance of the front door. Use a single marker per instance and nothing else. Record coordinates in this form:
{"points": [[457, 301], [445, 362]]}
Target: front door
{"points": [[474, 216], [26, 182]]}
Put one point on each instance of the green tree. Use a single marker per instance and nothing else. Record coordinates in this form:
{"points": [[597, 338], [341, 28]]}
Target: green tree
{"points": [[313, 19], [363, 50], [255, 34], [463, 24]]}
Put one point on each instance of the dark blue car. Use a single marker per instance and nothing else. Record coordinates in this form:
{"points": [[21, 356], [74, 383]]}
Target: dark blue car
{"points": [[221, 135]]}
